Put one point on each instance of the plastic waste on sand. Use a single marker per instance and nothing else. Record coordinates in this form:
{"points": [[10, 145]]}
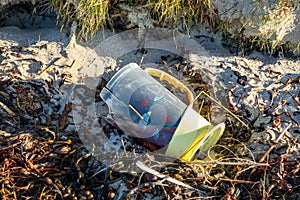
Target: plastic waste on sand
{"points": [[141, 106]]}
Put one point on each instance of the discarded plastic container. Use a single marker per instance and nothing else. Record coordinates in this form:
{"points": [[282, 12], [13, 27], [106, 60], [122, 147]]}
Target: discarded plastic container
{"points": [[141, 106]]}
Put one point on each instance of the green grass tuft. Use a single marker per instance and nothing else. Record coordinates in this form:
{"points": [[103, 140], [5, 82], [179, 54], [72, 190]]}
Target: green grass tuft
{"points": [[92, 15]]}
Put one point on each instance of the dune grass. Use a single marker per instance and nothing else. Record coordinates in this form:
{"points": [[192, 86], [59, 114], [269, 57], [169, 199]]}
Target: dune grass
{"points": [[92, 15], [171, 11]]}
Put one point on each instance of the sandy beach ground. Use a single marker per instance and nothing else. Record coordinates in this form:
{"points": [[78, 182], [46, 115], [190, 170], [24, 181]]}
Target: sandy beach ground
{"points": [[263, 90]]}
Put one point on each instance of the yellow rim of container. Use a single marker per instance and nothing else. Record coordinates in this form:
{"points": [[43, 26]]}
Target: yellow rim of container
{"points": [[173, 81]]}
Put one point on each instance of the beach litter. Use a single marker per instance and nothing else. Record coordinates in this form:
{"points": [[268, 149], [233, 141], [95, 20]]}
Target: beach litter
{"points": [[141, 106]]}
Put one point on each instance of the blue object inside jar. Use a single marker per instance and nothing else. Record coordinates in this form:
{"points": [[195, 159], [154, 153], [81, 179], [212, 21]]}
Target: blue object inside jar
{"points": [[157, 110]]}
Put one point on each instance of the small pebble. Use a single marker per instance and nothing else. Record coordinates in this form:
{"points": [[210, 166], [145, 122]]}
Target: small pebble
{"points": [[23, 49], [242, 80]]}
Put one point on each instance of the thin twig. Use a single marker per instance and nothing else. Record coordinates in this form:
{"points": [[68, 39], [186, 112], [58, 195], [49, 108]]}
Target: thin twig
{"points": [[9, 111], [274, 145], [50, 65], [165, 177], [202, 92], [236, 181], [227, 163]]}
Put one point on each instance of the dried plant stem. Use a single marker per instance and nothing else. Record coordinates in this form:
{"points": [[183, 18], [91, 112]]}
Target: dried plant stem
{"points": [[274, 145], [50, 65], [9, 111], [166, 178], [227, 163], [202, 92], [235, 181]]}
